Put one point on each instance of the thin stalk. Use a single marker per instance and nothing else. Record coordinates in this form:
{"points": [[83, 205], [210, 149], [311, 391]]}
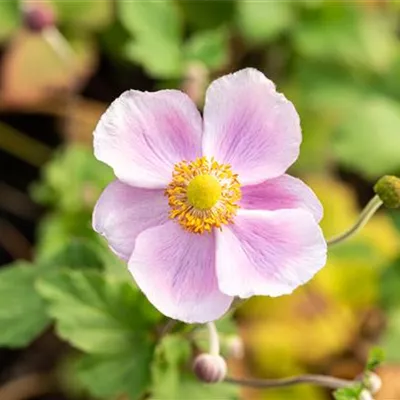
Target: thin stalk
{"points": [[23, 147], [168, 327], [60, 45], [318, 380], [369, 210], [213, 339]]}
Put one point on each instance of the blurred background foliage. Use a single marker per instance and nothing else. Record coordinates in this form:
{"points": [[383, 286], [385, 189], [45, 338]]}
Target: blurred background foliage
{"points": [[72, 324]]}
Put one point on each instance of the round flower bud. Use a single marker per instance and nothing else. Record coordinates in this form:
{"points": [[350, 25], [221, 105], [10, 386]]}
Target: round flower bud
{"points": [[365, 395], [388, 190], [38, 18], [209, 368], [372, 382]]}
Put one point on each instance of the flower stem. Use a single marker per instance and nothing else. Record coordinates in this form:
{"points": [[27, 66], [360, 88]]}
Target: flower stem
{"points": [[168, 327], [213, 339], [60, 45], [369, 210], [319, 380]]}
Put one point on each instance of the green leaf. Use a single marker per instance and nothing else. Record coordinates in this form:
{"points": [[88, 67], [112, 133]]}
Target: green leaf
{"points": [[22, 311], [170, 354], [390, 341], [368, 141], [196, 390], [375, 358], [324, 96], [209, 47], [57, 229], [9, 18], [109, 376], [78, 253], [207, 14], [263, 21], [88, 15], [326, 89], [160, 57], [172, 378], [348, 35], [98, 314], [72, 195], [156, 28], [348, 393], [390, 283], [395, 217], [152, 17], [114, 40]]}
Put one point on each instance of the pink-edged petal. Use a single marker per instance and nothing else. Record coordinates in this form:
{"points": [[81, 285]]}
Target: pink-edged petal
{"points": [[123, 212], [281, 193], [250, 126], [176, 271], [142, 135], [269, 252]]}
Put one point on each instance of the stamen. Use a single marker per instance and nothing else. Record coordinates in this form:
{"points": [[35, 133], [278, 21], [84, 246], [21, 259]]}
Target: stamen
{"points": [[203, 194]]}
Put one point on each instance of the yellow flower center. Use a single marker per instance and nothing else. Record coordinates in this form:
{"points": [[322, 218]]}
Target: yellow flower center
{"points": [[203, 194], [203, 191]]}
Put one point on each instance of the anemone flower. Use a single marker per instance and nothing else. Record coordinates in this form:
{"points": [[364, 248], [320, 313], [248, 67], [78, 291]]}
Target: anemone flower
{"points": [[201, 208]]}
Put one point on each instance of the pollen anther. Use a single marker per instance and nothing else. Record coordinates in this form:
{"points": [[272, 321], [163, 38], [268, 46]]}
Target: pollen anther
{"points": [[203, 194]]}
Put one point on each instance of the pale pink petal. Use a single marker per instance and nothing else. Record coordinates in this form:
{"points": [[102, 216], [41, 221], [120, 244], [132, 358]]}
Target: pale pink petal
{"points": [[250, 126], [269, 252], [176, 271], [280, 193], [142, 135], [122, 212]]}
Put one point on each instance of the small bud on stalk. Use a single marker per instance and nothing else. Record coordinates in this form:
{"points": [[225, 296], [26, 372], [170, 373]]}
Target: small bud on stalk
{"points": [[37, 18], [210, 368], [388, 190], [372, 382]]}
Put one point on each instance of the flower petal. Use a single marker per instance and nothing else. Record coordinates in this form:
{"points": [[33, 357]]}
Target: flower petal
{"points": [[269, 252], [176, 271], [122, 212], [281, 193], [250, 126], [142, 135]]}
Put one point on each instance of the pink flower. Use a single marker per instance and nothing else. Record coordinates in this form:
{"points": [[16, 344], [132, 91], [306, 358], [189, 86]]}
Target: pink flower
{"points": [[202, 209]]}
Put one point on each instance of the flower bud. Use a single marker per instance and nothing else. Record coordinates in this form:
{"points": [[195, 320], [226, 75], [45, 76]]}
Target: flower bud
{"points": [[388, 190], [372, 382], [209, 368], [38, 18]]}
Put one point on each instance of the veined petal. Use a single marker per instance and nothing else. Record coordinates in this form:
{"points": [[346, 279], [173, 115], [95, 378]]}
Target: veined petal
{"points": [[284, 192], [269, 252], [176, 271], [123, 211], [250, 126], [142, 135]]}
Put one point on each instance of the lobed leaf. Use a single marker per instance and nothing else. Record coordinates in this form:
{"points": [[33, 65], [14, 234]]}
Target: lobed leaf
{"points": [[22, 311]]}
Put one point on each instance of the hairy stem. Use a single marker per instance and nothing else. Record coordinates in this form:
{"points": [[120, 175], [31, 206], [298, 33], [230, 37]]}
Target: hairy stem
{"points": [[319, 380], [213, 339], [369, 210]]}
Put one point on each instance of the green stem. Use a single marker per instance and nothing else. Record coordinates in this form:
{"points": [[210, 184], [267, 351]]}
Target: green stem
{"points": [[23, 147], [369, 210]]}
